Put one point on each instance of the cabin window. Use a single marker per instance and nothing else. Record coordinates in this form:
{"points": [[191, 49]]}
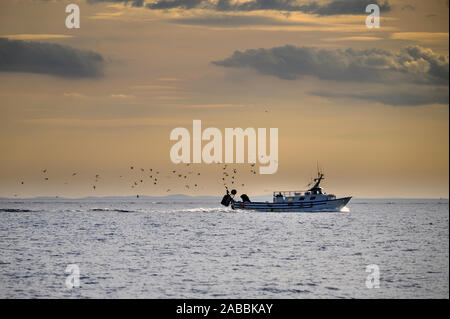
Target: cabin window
{"points": [[313, 197], [291, 199], [301, 198]]}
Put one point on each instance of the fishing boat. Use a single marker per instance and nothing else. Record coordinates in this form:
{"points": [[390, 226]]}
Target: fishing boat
{"points": [[313, 199]]}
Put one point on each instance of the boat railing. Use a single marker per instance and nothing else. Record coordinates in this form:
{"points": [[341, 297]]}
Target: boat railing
{"points": [[289, 193]]}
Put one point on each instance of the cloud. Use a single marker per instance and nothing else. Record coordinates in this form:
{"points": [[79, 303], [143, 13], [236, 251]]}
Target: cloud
{"points": [[172, 4], [401, 97], [37, 36], [410, 65], [354, 38], [235, 20], [333, 7], [74, 95], [408, 7], [49, 58], [134, 3], [122, 96], [411, 76], [213, 106], [115, 122], [427, 37]]}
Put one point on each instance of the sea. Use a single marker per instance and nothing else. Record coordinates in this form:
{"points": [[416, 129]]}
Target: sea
{"points": [[188, 247]]}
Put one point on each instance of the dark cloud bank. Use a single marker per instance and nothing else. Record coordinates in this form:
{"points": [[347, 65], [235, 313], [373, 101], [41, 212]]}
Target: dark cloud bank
{"points": [[412, 65], [333, 7], [49, 58], [134, 3]]}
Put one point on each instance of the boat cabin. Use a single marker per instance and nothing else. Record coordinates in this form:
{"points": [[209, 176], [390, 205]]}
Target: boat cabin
{"points": [[315, 193]]}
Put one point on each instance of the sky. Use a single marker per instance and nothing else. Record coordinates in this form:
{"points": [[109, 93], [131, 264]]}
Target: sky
{"points": [[370, 106]]}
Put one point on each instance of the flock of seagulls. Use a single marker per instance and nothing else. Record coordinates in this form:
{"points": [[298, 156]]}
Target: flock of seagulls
{"points": [[183, 176]]}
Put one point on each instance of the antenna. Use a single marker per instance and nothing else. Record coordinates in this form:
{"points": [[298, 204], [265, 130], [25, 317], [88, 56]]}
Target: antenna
{"points": [[310, 180]]}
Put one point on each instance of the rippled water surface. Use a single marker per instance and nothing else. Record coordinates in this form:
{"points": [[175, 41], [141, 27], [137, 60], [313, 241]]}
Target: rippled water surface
{"points": [[144, 249]]}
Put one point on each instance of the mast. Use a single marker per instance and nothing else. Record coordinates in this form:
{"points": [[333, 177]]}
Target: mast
{"points": [[318, 179]]}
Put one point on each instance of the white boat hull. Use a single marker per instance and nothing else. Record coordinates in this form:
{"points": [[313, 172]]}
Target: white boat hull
{"points": [[329, 205]]}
